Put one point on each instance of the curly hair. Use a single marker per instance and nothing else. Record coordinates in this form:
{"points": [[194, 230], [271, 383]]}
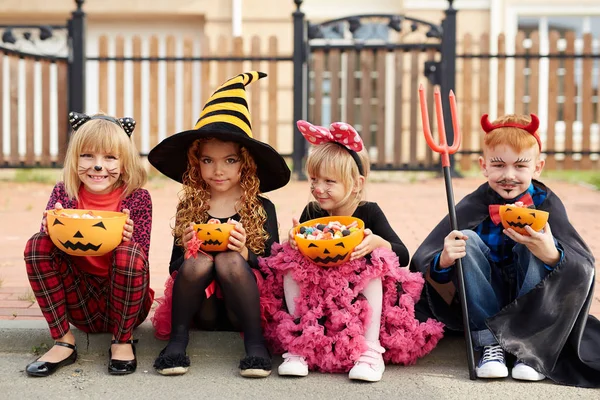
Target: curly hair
{"points": [[194, 199]]}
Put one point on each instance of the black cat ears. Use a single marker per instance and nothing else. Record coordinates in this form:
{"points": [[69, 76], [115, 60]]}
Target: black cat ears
{"points": [[77, 119]]}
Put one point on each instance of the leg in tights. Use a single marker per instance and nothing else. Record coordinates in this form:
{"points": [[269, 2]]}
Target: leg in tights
{"points": [[373, 292], [194, 275], [291, 291], [241, 298]]}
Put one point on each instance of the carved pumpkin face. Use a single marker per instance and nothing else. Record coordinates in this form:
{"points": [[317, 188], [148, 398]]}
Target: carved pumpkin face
{"points": [[518, 218], [83, 236], [215, 237], [330, 252]]}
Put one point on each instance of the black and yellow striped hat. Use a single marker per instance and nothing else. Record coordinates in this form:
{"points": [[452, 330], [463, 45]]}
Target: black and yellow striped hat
{"points": [[225, 116]]}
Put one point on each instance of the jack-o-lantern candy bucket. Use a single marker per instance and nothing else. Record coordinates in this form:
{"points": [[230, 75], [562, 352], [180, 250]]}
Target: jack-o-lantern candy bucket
{"points": [[518, 218], [214, 236], [85, 232], [334, 251]]}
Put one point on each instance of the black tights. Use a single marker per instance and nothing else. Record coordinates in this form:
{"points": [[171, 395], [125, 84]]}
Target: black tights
{"points": [[238, 284]]}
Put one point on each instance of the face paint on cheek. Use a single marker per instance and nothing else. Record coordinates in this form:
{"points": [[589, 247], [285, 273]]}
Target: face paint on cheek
{"points": [[114, 172]]}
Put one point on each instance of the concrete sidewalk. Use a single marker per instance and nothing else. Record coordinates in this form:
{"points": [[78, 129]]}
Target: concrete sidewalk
{"points": [[214, 374]]}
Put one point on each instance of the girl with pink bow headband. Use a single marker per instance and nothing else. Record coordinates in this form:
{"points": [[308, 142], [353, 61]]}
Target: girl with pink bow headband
{"points": [[318, 298]]}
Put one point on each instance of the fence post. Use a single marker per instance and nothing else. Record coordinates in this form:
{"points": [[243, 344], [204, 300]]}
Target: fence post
{"points": [[299, 59], [448, 73], [77, 58]]}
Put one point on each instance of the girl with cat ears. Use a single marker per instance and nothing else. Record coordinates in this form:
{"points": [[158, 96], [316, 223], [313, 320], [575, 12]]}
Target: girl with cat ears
{"points": [[109, 293]]}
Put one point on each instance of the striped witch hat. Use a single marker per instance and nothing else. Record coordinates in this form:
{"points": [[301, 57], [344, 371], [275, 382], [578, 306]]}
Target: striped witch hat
{"points": [[225, 116]]}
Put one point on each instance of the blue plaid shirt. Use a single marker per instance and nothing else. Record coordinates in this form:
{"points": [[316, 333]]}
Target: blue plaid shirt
{"points": [[491, 234]]}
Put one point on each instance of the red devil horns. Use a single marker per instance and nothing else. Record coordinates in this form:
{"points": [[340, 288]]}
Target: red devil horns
{"points": [[531, 127]]}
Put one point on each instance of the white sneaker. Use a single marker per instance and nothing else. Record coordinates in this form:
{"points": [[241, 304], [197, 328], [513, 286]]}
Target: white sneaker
{"points": [[524, 372], [293, 365], [370, 365], [491, 364]]}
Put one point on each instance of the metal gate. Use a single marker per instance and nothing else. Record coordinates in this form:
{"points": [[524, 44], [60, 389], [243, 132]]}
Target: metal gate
{"points": [[38, 90], [366, 70]]}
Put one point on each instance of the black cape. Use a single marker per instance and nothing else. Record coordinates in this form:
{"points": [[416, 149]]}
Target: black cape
{"points": [[549, 328]]}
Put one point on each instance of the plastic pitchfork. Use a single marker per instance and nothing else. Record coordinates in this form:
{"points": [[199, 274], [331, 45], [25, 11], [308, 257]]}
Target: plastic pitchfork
{"points": [[445, 152]]}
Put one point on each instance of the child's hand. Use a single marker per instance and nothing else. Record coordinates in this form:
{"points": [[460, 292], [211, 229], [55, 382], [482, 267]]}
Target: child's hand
{"points": [[369, 243], [291, 238], [237, 237], [57, 206], [541, 244], [455, 247], [128, 228], [188, 234]]}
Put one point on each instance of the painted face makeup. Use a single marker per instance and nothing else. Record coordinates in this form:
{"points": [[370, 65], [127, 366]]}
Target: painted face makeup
{"points": [[98, 171], [510, 173]]}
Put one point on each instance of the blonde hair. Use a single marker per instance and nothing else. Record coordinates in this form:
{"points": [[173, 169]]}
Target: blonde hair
{"points": [[332, 160], [102, 136], [195, 195], [516, 138]]}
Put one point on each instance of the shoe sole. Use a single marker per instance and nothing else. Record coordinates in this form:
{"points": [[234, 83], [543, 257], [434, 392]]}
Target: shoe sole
{"points": [[254, 373], [43, 374], [527, 378], [121, 373], [173, 371], [364, 378], [292, 373], [490, 376]]}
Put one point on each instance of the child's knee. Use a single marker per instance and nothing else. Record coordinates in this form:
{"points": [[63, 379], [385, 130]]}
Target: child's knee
{"points": [[472, 235], [39, 242], [195, 268], [130, 258], [229, 265]]}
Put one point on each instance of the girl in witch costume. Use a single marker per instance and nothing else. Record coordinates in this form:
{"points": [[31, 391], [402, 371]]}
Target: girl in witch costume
{"points": [[223, 170], [527, 294], [109, 293], [353, 316]]}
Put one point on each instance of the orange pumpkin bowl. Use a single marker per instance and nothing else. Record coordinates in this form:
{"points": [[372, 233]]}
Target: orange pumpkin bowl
{"points": [[85, 236], [214, 237], [330, 252], [518, 217]]}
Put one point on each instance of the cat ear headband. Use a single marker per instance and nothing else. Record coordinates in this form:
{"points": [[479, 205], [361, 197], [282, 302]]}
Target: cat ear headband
{"points": [[339, 133], [77, 119], [531, 128]]}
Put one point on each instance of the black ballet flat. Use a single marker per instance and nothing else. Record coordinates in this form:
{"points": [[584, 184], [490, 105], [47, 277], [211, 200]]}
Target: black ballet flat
{"points": [[171, 365], [122, 367], [255, 367], [47, 368]]}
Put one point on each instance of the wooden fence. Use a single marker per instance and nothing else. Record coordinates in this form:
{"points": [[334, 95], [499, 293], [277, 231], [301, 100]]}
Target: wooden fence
{"points": [[373, 89], [33, 111], [560, 86], [269, 99]]}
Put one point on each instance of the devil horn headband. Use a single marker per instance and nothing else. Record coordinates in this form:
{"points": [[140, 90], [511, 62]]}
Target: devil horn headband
{"points": [[531, 127]]}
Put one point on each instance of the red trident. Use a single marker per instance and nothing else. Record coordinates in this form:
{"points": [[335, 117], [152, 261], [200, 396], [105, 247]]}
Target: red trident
{"points": [[443, 147], [445, 152]]}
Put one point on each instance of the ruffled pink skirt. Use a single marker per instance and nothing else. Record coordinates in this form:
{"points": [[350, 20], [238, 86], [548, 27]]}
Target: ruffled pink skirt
{"points": [[333, 313]]}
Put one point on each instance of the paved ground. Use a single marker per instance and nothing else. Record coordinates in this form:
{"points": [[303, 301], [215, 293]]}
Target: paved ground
{"points": [[214, 375], [413, 209]]}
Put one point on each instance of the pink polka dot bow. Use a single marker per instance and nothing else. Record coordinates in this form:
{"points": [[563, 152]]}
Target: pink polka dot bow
{"points": [[338, 132]]}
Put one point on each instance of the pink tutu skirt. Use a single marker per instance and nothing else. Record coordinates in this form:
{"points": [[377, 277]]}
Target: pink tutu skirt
{"points": [[333, 313]]}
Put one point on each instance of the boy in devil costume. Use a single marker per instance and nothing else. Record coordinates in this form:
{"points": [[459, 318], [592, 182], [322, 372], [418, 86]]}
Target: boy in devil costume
{"points": [[528, 295]]}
